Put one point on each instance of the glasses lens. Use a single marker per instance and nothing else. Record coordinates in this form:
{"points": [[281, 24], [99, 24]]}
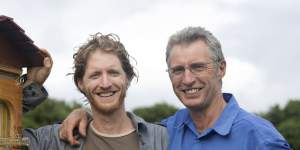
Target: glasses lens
{"points": [[198, 67], [177, 70]]}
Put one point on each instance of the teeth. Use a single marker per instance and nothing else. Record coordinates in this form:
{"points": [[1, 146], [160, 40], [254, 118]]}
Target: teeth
{"points": [[106, 94], [191, 91]]}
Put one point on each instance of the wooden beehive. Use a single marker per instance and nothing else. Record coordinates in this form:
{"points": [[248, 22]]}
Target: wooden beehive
{"points": [[16, 51]]}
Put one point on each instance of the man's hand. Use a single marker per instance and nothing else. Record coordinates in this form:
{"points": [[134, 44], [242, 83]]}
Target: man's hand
{"points": [[77, 118], [40, 74]]}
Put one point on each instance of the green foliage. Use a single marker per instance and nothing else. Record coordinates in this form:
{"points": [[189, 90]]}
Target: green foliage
{"points": [[287, 121], [49, 112], [292, 109], [156, 112]]}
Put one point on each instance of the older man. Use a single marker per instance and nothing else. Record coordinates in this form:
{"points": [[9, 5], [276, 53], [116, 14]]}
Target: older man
{"points": [[212, 119], [103, 74]]}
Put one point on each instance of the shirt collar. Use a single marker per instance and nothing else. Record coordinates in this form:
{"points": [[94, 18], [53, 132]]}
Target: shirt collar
{"points": [[226, 119], [222, 125], [139, 124]]}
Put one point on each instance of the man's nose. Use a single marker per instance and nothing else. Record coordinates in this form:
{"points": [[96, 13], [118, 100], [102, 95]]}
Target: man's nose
{"points": [[105, 81], [188, 77]]}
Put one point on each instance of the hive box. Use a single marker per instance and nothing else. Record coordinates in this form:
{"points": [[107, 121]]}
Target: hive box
{"points": [[16, 51]]}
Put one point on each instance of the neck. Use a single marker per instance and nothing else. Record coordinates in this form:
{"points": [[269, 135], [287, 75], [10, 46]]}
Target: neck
{"points": [[116, 122], [206, 118]]}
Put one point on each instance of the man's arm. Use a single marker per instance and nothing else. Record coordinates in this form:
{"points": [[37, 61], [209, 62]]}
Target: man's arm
{"points": [[78, 118], [33, 91], [42, 138], [33, 94]]}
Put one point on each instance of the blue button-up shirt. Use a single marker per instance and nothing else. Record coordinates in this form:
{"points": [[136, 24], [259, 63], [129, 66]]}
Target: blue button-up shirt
{"points": [[235, 129]]}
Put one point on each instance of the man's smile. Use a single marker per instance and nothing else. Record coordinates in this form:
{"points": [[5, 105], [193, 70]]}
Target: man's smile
{"points": [[106, 94], [191, 90]]}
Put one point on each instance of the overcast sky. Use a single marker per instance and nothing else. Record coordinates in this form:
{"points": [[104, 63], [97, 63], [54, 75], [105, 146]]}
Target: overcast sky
{"points": [[259, 40]]}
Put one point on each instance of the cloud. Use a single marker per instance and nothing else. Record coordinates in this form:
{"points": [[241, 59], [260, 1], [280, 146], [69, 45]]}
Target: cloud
{"points": [[265, 36], [246, 81], [259, 40]]}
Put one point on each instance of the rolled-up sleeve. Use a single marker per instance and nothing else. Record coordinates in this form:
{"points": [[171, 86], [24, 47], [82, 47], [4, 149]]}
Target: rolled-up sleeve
{"points": [[33, 95]]}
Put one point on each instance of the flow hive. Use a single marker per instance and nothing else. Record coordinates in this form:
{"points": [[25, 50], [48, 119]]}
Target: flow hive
{"points": [[16, 52]]}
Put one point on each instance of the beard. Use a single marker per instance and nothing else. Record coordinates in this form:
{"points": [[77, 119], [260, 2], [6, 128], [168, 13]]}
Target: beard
{"points": [[109, 108]]}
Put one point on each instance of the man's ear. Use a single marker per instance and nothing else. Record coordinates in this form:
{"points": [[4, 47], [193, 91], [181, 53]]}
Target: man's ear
{"points": [[222, 68], [80, 85]]}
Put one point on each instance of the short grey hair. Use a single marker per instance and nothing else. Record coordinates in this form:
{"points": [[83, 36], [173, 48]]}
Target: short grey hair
{"points": [[189, 35]]}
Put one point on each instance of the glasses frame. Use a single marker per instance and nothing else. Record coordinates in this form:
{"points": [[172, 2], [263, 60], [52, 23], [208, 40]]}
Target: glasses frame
{"points": [[195, 68]]}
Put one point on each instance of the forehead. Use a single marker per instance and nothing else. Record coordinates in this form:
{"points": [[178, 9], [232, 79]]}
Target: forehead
{"points": [[182, 54], [101, 59]]}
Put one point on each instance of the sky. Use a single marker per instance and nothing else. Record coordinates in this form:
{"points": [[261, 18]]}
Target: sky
{"points": [[259, 41]]}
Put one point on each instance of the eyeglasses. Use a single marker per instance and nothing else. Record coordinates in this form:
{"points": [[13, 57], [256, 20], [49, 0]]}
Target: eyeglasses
{"points": [[195, 68]]}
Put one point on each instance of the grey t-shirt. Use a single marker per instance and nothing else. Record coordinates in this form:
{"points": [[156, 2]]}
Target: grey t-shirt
{"points": [[97, 141]]}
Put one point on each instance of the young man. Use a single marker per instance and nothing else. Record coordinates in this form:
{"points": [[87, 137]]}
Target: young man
{"points": [[103, 74], [212, 119]]}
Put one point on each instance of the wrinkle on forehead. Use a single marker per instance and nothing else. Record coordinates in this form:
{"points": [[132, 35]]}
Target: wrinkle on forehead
{"points": [[188, 53]]}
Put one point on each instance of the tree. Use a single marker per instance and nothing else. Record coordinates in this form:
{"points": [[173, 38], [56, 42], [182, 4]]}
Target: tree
{"points": [[49, 112], [287, 121], [155, 113]]}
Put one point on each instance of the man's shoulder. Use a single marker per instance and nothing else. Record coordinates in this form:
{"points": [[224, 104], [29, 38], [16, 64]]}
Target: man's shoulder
{"points": [[48, 129], [247, 119], [47, 137], [255, 127]]}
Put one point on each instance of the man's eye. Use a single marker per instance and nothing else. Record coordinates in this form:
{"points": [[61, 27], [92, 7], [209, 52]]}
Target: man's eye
{"points": [[178, 70], [94, 76], [114, 73], [198, 67]]}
